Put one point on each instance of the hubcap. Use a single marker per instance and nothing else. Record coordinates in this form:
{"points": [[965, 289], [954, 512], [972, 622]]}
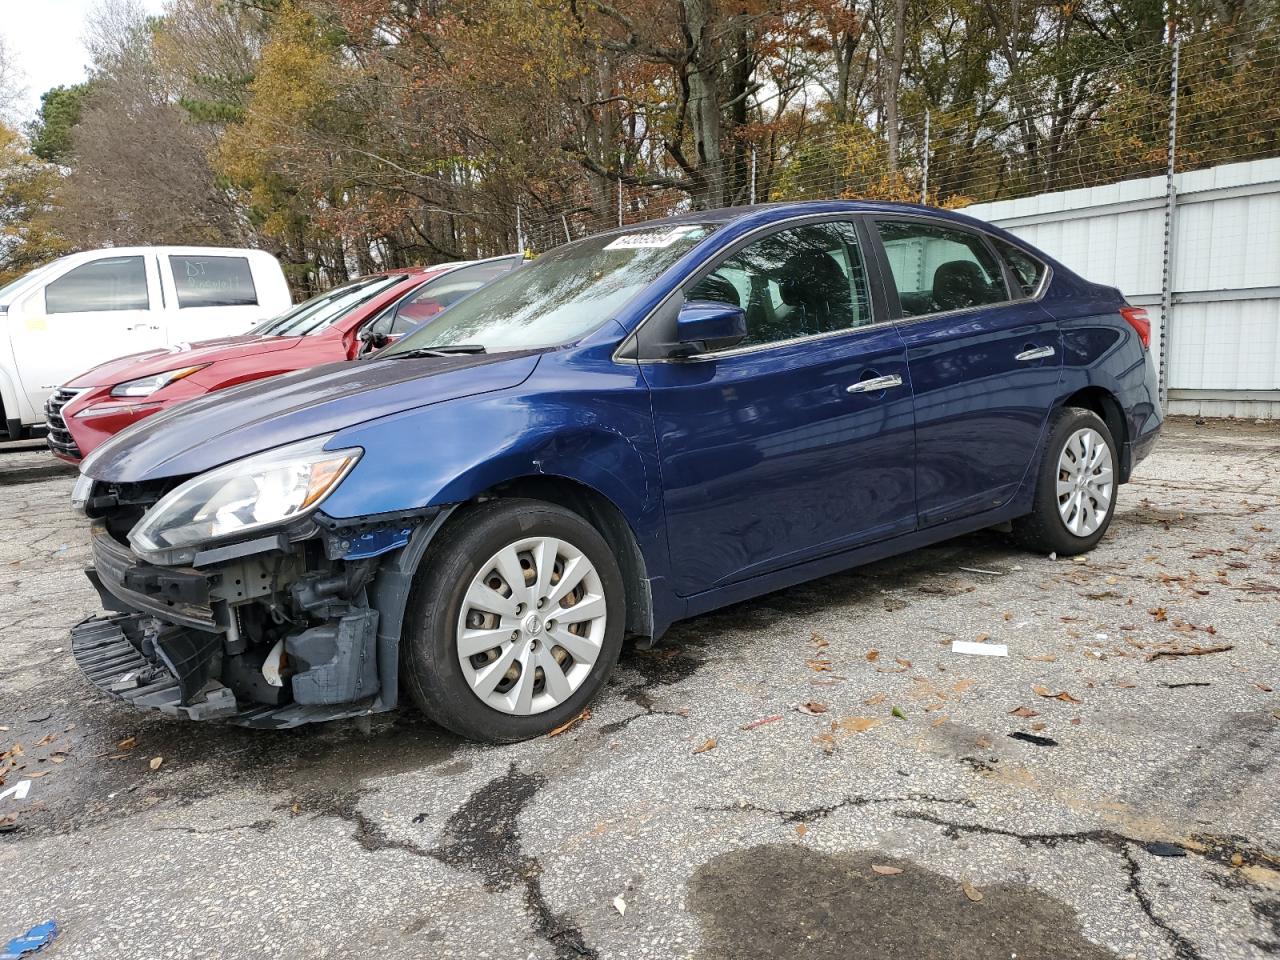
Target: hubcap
{"points": [[1085, 482], [531, 626]]}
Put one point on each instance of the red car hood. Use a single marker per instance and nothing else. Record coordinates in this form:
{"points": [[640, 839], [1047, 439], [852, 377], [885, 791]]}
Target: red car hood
{"points": [[174, 358]]}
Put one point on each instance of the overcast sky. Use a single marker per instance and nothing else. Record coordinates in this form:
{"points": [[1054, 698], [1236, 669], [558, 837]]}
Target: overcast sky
{"points": [[45, 38]]}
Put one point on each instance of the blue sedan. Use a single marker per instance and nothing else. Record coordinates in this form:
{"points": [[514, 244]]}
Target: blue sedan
{"points": [[632, 429]]}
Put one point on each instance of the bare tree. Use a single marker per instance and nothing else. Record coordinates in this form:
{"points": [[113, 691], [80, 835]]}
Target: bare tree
{"points": [[11, 87], [142, 173]]}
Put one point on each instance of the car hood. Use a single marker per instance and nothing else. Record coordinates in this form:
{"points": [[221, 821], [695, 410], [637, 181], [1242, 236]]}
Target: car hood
{"points": [[212, 430], [175, 358]]}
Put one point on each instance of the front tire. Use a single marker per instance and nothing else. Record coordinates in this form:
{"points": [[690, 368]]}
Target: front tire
{"points": [[516, 622], [1076, 486]]}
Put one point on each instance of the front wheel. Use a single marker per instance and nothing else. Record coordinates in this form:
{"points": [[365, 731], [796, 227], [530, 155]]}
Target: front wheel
{"points": [[515, 623], [1076, 487]]}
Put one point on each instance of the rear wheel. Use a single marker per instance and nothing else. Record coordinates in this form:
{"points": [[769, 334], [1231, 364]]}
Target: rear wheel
{"points": [[1076, 487], [515, 624]]}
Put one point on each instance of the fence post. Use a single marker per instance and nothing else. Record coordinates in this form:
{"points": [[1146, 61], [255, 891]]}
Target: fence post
{"points": [[1170, 210], [619, 201], [568, 237], [519, 232], [753, 174], [924, 186]]}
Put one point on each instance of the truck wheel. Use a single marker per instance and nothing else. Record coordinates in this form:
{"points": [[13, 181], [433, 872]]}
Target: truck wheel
{"points": [[515, 623], [1076, 488]]}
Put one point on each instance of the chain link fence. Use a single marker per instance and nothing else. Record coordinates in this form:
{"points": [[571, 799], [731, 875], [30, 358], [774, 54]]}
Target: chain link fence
{"points": [[1119, 118]]}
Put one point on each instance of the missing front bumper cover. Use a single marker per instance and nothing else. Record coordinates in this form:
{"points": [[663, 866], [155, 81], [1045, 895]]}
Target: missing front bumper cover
{"points": [[104, 652]]}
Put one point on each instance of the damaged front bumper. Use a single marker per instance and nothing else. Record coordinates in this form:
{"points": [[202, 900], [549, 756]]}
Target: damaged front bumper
{"points": [[275, 632]]}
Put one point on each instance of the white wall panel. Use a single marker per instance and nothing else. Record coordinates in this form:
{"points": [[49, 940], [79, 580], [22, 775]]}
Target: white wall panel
{"points": [[1225, 325]]}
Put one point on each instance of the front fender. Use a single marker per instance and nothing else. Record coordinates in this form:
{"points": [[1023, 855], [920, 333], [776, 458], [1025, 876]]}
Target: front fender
{"points": [[591, 425]]}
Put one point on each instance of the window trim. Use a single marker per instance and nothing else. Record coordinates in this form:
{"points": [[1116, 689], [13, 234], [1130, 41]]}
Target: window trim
{"points": [[1013, 280], [875, 300], [873, 218], [177, 292]]}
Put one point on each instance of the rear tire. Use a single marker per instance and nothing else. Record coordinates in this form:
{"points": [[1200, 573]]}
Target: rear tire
{"points": [[1075, 496], [496, 659]]}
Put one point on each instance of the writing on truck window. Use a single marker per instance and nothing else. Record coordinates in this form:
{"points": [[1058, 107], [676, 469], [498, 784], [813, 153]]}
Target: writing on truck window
{"points": [[213, 281]]}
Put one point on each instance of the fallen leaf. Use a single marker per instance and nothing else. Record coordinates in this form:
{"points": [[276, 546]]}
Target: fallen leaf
{"points": [[903, 667], [155, 762], [128, 743], [45, 740], [886, 871], [827, 742], [570, 724], [897, 712], [620, 905], [1044, 658], [762, 721], [1023, 712], [1236, 859], [972, 892], [801, 829], [873, 655], [57, 758], [875, 700], [812, 708], [1050, 695], [1159, 613], [37, 775], [709, 745], [855, 724]]}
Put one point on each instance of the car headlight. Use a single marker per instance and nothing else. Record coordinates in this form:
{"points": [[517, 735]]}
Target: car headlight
{"points": [[146, 386], [264, 490]]}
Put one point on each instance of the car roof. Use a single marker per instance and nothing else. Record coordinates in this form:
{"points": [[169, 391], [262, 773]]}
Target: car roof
{"points": [[786, 209], [435, 269]]}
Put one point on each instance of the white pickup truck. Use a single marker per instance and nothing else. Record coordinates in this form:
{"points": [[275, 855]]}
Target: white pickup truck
{"points": [[84, 309]]}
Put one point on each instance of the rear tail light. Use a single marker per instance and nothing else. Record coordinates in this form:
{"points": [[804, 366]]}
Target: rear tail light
{"points": [[1141, 323]]}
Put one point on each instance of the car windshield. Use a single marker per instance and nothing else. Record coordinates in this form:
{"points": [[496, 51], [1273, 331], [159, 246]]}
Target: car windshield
{"points": [[319, 312], [559, 297], [15, 287]]}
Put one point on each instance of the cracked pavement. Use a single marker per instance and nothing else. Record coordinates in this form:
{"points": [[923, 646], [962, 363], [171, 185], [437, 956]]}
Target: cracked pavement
{"points": [[1141, 818]]}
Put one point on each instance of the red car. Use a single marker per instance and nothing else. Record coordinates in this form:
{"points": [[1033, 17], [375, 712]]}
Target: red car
{"points": [[341, 324]]}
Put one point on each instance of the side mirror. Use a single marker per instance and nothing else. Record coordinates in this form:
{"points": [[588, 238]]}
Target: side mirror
{"points": [[372, 340], [704, 325]]}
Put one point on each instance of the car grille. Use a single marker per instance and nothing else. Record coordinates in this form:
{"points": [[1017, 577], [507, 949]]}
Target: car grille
{"points": [[60, 439]]}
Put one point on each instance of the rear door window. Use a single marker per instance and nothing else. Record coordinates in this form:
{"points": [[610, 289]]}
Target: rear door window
{"points": [[114, 283], [1027, 270], [938, 268], [213, 281]]}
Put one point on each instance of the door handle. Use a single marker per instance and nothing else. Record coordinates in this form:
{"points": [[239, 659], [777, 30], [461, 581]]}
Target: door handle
{"points": [[1036, 353], [875, 384]]}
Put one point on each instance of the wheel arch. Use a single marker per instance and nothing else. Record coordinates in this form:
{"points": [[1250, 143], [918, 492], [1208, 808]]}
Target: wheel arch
{"points": [[608, 518], [1104, 403]]}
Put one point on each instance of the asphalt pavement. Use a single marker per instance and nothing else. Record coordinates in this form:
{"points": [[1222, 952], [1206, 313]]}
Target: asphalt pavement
{"points": [[813, 774]]}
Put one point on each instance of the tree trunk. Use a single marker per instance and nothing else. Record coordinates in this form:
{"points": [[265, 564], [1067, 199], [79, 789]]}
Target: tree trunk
{"points": [[893, 82], [704, 102]]}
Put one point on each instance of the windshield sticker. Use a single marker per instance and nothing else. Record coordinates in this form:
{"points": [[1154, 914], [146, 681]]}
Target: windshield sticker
{"points": [[651, 239]]}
